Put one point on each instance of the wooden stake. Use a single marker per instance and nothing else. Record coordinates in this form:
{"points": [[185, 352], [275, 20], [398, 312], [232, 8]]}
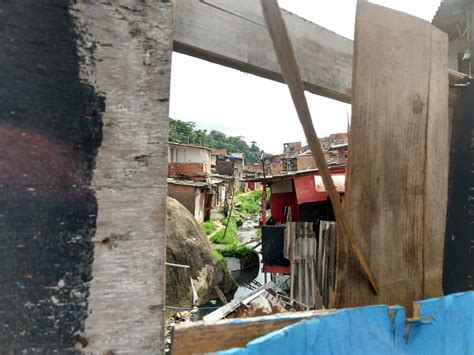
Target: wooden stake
{"points": [[290, 72]]}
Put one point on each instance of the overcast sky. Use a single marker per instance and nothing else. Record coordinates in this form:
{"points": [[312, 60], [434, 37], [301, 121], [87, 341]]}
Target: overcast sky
{"points": [[240, 104]]}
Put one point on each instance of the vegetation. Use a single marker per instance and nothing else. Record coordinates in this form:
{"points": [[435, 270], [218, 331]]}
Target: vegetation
{"points": [[231, 235], [248, 203], [245, 205], [221, 260], [209, 227], [242, 252], [186, 133]]}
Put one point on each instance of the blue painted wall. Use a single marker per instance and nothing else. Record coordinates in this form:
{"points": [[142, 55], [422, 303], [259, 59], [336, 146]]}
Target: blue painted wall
{"points": [[447, 328]]}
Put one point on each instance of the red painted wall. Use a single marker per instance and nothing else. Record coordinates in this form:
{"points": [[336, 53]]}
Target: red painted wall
{"points": [[277, 203], [305, 191]]}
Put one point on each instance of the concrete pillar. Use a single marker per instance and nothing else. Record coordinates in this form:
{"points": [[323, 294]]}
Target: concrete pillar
{"points": [[83, 162]]}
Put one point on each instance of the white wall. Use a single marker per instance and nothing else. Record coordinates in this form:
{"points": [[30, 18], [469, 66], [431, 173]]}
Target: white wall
{"points": [[183, 154]]}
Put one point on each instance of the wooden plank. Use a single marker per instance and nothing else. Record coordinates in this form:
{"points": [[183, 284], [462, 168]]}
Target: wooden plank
{"points": [[127, 288], [233, 33], [322, 230], [286, 58], [292, 260], [231, 306], [438, 142], [199, 337], [286, 241], [332, 256], [219, 31], [324, 267], [300, 283], [391, 136]]}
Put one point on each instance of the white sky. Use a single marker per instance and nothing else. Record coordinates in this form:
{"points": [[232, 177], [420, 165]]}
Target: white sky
{"points": [[240, 104]]}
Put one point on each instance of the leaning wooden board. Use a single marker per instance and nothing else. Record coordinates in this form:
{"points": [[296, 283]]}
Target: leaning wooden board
{"points": [[399, 157]]}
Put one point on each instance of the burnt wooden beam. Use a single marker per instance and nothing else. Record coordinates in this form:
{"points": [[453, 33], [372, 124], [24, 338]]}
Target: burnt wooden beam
{"points": [[84, 98]]}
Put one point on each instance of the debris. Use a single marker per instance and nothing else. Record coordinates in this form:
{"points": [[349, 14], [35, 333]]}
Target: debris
{"points": [[261, 301], [220, 294]]}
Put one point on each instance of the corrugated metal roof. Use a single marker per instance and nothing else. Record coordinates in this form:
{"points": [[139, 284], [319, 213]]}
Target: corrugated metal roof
{"points": [[290, 175], [189, 183]]}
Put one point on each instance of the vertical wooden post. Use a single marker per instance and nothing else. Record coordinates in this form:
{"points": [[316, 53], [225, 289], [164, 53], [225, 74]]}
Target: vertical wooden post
{"points": [[83, 136], [130, 65]]}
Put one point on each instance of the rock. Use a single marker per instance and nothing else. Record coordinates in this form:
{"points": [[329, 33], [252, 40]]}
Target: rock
{"points": [[186, 244], [250, 261]]}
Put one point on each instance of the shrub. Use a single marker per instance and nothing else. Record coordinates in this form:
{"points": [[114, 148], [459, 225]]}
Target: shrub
{"points": [[236, 251], [248, 203], [231, 235], [229, 238], [209, 227], [243, 252], [220, 259]]}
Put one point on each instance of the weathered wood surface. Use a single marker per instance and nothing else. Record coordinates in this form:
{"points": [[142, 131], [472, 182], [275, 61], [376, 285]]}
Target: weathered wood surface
{"points": [[201, 337], [50, 124], [221, 312], [291, 73], [397, 185], [327, 262], [233, 33], [313, 262], [130, 65]]}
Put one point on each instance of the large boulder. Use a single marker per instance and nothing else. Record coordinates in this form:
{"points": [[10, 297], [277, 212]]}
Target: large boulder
{"points": [[187, 244]]}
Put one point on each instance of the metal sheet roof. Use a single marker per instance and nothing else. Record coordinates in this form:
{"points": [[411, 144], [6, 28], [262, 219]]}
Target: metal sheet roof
{"points": [[290, 175], [190, 183]]}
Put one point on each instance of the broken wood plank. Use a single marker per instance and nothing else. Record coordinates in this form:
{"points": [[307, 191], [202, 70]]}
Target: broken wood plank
{"points": [[292, 76], [201, 337], [231, 306], [395, 182]]}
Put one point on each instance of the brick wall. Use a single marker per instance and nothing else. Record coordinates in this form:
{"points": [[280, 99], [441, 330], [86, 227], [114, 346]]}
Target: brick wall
{"points": [[222, 151], [257, 168], [186, 169], [224, 167]]}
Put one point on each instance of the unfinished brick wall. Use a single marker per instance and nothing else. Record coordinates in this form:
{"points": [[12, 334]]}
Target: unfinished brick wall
{"points": [[185, 169], [254, 168], [222, 151], [225, 167]]}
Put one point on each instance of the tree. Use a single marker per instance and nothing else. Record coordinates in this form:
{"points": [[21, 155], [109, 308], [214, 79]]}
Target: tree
{"points": [[186, 133]]}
